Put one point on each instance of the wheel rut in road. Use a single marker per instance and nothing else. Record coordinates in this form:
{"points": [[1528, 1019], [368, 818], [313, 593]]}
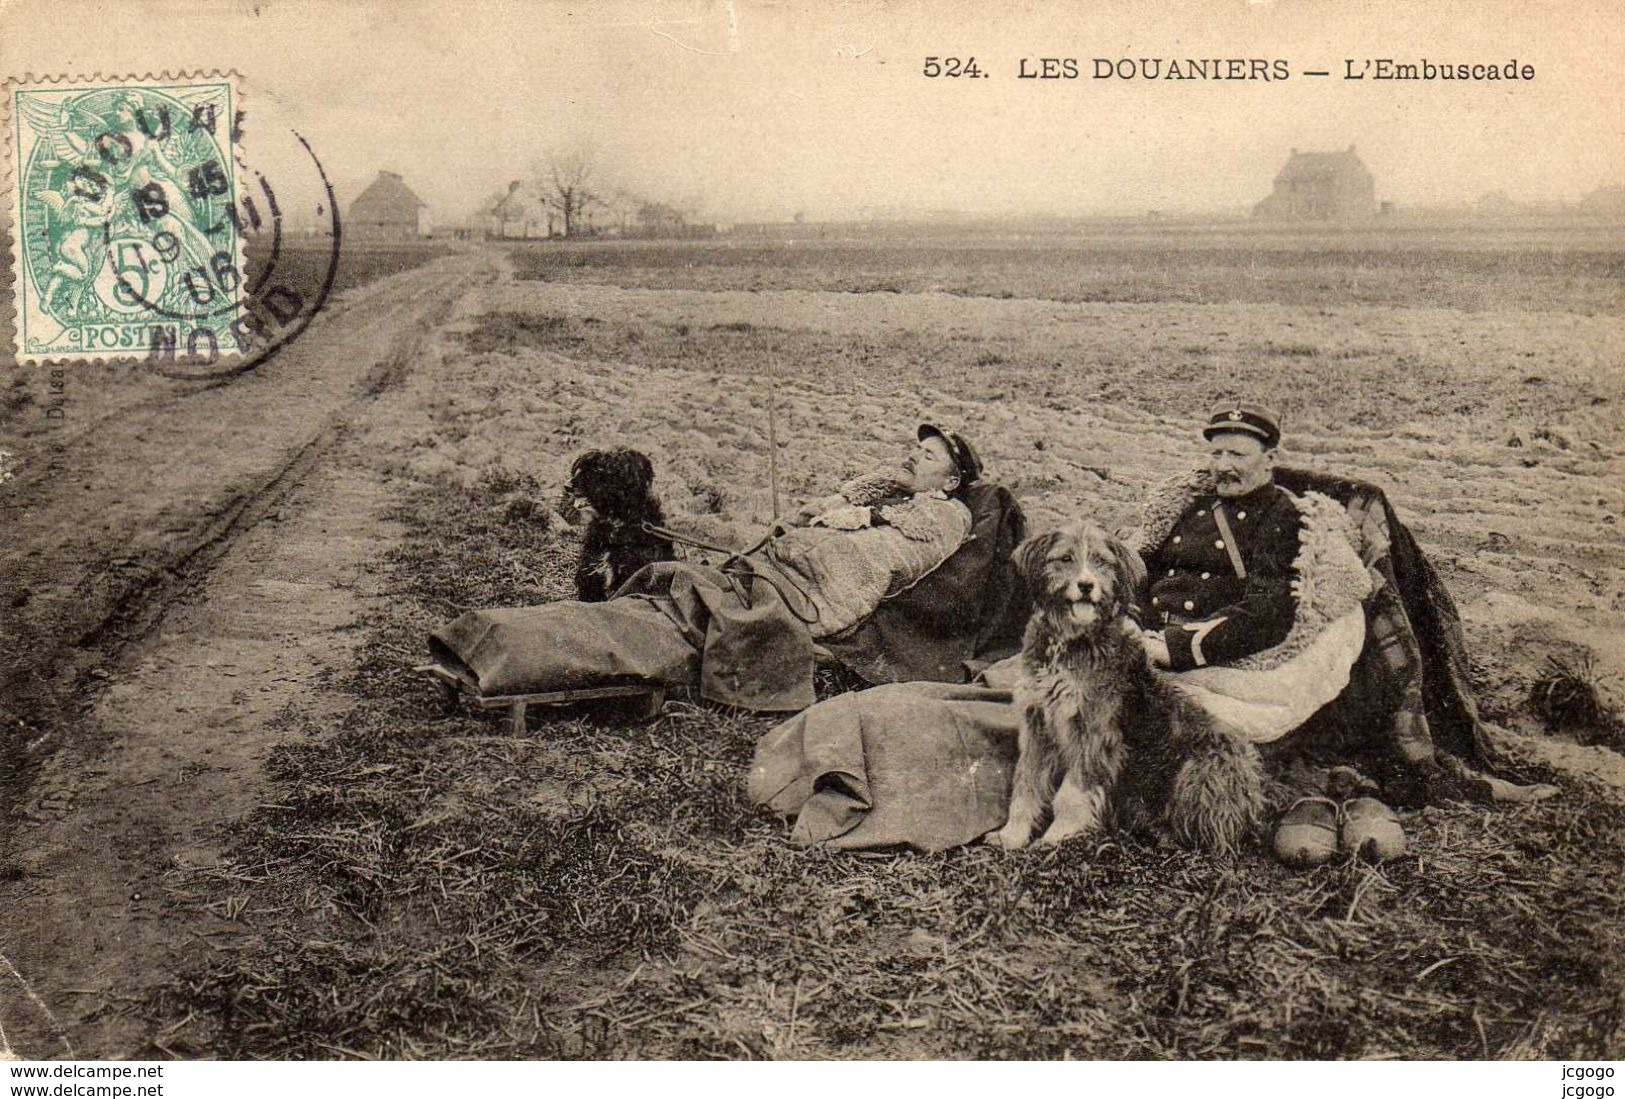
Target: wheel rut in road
{"points": [[173, 680], [126, 519]]}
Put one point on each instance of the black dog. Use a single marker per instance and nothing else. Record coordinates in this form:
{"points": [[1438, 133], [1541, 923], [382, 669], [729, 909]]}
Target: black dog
{"points": [[614, 489]]}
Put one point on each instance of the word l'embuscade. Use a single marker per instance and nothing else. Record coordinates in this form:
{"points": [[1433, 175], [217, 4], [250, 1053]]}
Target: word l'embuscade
{"points": [[1251, 68]]}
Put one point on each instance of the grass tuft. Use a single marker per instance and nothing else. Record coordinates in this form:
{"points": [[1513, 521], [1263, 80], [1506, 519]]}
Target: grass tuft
{"points": [[1571, 693]]}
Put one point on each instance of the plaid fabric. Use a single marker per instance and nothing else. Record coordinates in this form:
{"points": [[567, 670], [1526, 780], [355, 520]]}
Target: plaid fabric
{"points": [[1408, 716]]}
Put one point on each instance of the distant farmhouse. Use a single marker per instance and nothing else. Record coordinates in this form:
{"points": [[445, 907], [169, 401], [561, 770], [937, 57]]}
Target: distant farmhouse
{"points": [[388, 210], [1321, 187], [520, 214], [656, 219], [524, 212]]}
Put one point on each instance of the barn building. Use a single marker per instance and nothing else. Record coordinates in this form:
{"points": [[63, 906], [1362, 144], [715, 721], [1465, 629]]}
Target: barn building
{"points": [[388, 209], [520, 214], [1321, 187]]}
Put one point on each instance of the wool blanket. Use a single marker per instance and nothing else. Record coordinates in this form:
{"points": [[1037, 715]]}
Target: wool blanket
{"points": [[675, 624], [1409, 715]]}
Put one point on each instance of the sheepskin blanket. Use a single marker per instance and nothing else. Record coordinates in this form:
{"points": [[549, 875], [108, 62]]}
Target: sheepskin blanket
{"points": [[848, 566], [1265, 705]]}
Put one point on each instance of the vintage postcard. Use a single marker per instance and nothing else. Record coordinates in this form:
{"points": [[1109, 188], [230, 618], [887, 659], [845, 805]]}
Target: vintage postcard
{"points": [[718, 529]]}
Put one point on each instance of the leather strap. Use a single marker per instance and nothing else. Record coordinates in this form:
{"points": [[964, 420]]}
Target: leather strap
{"points": [[1229, 537]]}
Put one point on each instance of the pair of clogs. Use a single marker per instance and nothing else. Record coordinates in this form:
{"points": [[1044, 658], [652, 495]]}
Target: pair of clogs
{"points": [[1314, 830]]}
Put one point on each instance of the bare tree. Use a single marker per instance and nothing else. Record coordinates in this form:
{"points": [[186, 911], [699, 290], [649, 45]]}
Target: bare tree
{"points": [[568, 177]]}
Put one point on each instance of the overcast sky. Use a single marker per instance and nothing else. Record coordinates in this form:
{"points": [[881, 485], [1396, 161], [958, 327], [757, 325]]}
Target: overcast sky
{"points": [[758, 110]]}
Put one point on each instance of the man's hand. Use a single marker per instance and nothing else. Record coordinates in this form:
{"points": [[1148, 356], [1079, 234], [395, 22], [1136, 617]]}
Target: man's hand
{"points": [[813, 510], [1156, 648]]}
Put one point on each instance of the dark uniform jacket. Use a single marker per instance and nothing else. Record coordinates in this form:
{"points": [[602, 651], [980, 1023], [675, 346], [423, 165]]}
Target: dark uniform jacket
{"points": [[1207, 614]]}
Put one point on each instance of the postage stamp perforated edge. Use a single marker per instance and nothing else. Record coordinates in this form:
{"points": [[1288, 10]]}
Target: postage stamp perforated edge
{"points": [[12, 181]]}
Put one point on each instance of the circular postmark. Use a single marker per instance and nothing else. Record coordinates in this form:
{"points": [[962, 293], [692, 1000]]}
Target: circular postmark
{"points": [[291, 236], [154, 232]]}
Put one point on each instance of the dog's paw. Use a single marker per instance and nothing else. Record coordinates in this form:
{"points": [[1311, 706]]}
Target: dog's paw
{"points": [[1054, 837], [1007, 838]]}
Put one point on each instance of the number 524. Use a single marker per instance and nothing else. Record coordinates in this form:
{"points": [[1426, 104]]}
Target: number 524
{"points": [[953, 67]]}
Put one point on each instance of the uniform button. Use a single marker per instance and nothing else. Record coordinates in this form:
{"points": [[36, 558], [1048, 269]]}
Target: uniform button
{"points": [[1201, 511], [1170, 572], [1206, 575], [1241, 515], [1219, 544], [1189, 605], [1179, 538], [1155, 602]]}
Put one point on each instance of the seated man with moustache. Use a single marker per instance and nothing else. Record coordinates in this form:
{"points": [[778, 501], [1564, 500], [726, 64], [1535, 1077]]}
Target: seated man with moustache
{"points": [[1221, 580], [1225, 603]]}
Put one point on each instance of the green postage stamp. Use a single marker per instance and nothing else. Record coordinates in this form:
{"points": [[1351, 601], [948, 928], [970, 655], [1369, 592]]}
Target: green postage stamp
{"points": [[125, 236]]}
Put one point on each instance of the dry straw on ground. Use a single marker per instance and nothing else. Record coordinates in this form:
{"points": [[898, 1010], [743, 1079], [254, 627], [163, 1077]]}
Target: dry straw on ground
{"points": [[425, 885], [430, 886]]}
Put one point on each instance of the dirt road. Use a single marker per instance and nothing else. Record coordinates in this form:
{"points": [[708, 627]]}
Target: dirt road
{"points": [[179, 574]]}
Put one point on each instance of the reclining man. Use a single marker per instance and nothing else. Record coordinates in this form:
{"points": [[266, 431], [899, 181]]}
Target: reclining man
{"points": [[877, 535], [743, 632]]}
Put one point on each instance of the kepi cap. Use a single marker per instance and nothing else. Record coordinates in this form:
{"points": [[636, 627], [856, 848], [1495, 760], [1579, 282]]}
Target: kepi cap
{"points": [[1249, 419], [959, 449]]}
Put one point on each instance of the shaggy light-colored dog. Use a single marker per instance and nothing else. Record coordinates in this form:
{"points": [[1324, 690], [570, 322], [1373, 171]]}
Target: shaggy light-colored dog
{"points": [[1102, 737]]}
